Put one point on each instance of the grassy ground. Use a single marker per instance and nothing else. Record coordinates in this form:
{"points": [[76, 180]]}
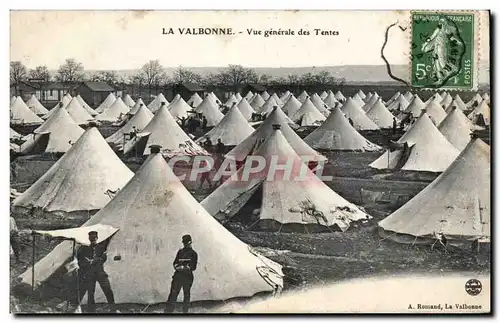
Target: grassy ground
{"points": [[319, 258]]}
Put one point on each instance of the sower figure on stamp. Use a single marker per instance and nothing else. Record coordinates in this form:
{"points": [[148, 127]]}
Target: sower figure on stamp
{"points": [[91, 261], [185, 263]]}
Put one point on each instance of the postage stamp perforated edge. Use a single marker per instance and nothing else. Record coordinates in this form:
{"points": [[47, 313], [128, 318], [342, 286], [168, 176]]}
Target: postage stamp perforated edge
{"points": [[476, 56]]}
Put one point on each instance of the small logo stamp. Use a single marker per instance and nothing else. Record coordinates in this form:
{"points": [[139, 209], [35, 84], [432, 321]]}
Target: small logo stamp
{"points": [[442, 53], [473, 287]]}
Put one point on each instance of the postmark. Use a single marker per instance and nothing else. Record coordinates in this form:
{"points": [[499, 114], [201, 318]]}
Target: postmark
{"points": [[443, 50]]}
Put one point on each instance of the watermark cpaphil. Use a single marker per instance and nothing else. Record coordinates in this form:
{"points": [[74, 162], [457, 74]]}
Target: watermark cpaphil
{"points": [[271, 168]]}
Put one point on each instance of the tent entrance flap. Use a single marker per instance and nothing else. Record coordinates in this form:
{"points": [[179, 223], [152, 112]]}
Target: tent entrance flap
{"points": [[80, 234]]}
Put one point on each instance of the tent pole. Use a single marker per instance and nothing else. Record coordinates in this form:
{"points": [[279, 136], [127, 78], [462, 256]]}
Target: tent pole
{"points": [[33, 246], [77, 281]]}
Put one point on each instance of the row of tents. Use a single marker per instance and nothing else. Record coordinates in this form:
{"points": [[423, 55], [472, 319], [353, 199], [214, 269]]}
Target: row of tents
{"points": [[153, 209], [449, 129]]}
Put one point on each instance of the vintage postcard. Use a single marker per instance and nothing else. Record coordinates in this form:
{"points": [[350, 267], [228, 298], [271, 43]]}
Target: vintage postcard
{"points": [[250, 162]]}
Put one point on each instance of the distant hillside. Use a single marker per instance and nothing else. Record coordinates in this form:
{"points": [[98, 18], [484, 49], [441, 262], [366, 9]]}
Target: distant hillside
{"points": [[354, 74]]}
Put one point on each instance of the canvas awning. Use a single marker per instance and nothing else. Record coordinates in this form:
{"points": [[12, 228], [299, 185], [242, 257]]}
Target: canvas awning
{"points": [[81, 234]]}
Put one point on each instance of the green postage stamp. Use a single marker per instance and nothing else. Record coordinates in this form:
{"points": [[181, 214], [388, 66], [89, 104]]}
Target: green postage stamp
{"points": [[443, 50]]}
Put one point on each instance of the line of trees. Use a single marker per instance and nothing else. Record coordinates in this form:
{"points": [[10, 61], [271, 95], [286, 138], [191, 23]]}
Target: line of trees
{"points": [[153, 75]]}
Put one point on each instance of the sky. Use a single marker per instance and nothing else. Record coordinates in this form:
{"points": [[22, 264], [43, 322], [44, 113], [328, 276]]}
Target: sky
{"points": [[118, 40]]}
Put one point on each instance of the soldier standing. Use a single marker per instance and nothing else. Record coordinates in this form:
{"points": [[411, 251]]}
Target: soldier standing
{"points": [[185, 263]]}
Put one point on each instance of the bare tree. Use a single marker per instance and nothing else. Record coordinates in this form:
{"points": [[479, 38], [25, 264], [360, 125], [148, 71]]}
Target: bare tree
{"points": [[153, 74], [265, 79], [184, 75], [293, 79], [41, 73], [110, 77], [70, 72], [18, 73], [237, 74]]}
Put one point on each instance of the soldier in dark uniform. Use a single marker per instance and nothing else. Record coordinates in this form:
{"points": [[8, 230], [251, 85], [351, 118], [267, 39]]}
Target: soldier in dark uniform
{"points": [[185, 263], [91, 261]]}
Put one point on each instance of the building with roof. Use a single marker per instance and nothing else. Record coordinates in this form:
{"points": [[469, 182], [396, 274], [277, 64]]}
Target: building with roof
{"points": [[185, 90], [94, 93]]}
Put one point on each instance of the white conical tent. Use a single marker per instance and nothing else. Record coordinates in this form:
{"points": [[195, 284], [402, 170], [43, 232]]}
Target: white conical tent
{"points": [[214, 98], [231, 130], [456, 205], [361, 94], [78, 181], [268, 106], [428, 150], [139, 121], [336, 133], [286, 193], [459, 114], [14, 135], [455, 129], [319, 104], [152, 212], [257, 102], [285, 96], [248, 145], [481, 111], [128, 100], [368, 96], [486, 97], [195, 100], [64, 131], [400, 104], [379, 114], [110, 99], [435, 111], [370, 102], [157, 102], [330, 100], [12, 100], [308, 115], [408, 96], [21, 114], [458, 103], [136, 106], [353, 111], [446, 100], [163, 130], [210, 111], [87, 107], [357, 98], [78, 112], [179, 109], [476, 99], [231, 100], [393, 98], [291, 106], [436, 97], [323, 95], [249, 96], [176, 98], [277, 99], [303, 96], [114, 112], [36, 106], [238, 96], [246, 110], [416, 106], [265, 95], [339, 96]]}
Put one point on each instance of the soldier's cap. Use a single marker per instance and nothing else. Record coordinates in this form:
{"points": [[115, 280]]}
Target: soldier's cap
{"points": [[92, 233], [186, 238]]}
